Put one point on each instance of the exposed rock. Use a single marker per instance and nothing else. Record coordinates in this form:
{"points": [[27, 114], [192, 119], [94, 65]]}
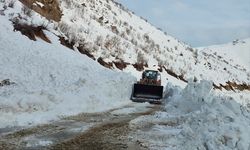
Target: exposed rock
{"points": [[105, 64], [50, 8], [66, 43], [120, 64], [170, 72], [160, 68], [232, 86], [31, 31], [6, 82], [140, 66], [84, 51]]}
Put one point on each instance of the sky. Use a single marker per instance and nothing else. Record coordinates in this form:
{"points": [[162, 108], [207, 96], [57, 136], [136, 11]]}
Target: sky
{"points": [[196, 22]]}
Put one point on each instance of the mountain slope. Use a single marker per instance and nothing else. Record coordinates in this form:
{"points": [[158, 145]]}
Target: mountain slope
{"points": [[43, 69], [118, 39], [236, 52], [44, 77], [48, 81]]}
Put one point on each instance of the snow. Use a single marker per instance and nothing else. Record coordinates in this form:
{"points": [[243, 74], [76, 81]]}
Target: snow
{"points": [[233, 51], [81, 24], [133, 108], [138, 36], [195, 118], [35, 143], [40, 4], [52, 81], [83, 128]]}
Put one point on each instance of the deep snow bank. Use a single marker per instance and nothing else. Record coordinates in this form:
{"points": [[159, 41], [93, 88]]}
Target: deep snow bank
{"points": [[194, 118], [52, 81]]}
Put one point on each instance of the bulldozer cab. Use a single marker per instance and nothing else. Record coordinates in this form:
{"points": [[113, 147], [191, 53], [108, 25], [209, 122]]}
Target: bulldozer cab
{"points": [[150, 77], [150, 74]]}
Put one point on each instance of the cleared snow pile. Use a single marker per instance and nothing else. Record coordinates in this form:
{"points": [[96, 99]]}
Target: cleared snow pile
{"points": [[195, 118], [51, 81]]}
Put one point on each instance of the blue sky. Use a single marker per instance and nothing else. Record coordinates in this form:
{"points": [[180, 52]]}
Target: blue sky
{"points": [[197, 22]]}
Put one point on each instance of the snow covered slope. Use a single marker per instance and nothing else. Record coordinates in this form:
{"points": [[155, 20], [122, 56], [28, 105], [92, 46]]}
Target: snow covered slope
{"points": [[237, 52], [115, 37], [48, 80], [52, 80]]}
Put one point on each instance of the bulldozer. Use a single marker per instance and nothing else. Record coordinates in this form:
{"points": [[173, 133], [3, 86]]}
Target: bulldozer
{"points": [[149, 88]]}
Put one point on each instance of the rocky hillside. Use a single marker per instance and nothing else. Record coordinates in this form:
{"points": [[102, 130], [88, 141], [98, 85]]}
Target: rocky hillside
{"points": [[108, 33]]}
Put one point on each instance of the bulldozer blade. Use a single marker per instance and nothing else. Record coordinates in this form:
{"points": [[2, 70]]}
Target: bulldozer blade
{"points": [[147, 92]]}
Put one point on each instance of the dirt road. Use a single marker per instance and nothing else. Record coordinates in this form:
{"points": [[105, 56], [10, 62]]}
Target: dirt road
{"points": [[94, 131]]}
